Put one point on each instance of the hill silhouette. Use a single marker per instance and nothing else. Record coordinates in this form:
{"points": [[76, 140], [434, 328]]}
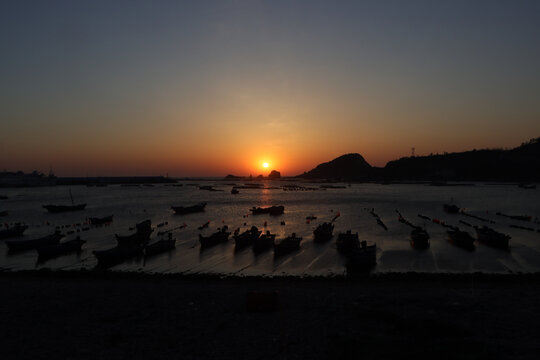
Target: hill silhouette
{"points": [[518, 164], [345, 167]]}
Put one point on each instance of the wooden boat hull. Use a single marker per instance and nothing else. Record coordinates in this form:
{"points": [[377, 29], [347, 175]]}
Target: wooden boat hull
{"points": [[361, 260], [272, 210], [14, 231], [22, 245], [287, 245], [419, 239], [68, 247], [264, 242], [117, 255], [181, 210], [101, 221], [139, 238], [493, 238], [64, 208], [451, 209], [159, 247], [247, 238], [461, 239], [347, 243], [323, 232], [214, 239]]}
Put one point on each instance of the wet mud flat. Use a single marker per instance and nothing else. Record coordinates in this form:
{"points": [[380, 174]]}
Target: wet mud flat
{"points": [[87, 315]]}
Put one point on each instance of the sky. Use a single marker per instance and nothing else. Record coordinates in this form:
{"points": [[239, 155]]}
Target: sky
{"points": [[210, 88]]}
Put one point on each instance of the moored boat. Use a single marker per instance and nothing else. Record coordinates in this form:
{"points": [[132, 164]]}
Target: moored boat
{"points": [[348, 242], [264, 242], [491, 237], [361, 259], [461, 238], [272, 210], [160, 246], [419, 238], [218, 237], [247, 238], [64, 208], [287, 245], [52, 251], [13, 231], [140, 238], [101, 221], [4, 213], [21, 245], [117, 254], [451, 208], [181, 210], [323, 232]]}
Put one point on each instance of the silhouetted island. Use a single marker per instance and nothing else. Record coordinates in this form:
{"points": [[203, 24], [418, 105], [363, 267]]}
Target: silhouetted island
{"points": [[519, 164], [274, 174]]}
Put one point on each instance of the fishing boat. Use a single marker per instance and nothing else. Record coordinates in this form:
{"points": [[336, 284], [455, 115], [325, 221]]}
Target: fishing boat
{"points": [[323, 232], [218, 237], [21, 245], [56, 250], [140, 238], [117, 254], [419, 238], [181, 210], [264, 242], [272, 210], [247, 238], [461, 238], [287, 245], [451, 208], [491, 237], [65, 208], [101, 221], [13, 231], [160, 246], [361, 259], [347, 242]]}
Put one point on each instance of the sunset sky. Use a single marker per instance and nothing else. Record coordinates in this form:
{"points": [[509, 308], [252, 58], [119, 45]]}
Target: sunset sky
{"points": [[208, 88]]}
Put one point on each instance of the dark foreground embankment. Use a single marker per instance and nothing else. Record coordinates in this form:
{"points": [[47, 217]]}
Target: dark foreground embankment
{"points": [[119, 316]]}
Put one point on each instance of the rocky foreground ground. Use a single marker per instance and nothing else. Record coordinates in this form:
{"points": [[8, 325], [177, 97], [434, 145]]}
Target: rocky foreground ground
{"points": [[126, 316]]}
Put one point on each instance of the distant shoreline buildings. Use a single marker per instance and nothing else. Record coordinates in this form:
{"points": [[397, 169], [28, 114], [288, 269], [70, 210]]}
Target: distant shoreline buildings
{"points": [[21, 179]]}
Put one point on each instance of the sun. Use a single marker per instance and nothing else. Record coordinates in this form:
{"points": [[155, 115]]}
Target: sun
{"points": [[265, 165]]}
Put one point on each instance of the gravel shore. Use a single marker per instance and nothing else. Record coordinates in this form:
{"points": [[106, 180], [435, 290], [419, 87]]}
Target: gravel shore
{"points": [[123, 316]]}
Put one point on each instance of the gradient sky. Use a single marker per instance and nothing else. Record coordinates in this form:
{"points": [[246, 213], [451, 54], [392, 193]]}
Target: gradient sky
{"points": [[208, 88]]}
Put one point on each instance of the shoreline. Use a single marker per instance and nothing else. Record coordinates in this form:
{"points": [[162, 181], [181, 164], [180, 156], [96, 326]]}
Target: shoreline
{"points": [[410, 276]]}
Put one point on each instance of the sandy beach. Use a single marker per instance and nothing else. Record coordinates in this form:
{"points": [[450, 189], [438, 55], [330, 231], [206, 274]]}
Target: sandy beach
{"points": [[87, 315]]}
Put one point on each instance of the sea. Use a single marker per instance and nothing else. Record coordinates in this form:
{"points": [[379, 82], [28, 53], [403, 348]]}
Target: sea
{"points": [[351, 205]]}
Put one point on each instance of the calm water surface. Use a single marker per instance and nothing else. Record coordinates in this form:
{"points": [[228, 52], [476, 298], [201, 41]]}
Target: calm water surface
{"points": [[394, 253]]}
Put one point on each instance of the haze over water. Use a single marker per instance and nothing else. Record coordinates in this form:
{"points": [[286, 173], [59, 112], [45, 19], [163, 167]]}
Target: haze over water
{"points": [[394, 253]]}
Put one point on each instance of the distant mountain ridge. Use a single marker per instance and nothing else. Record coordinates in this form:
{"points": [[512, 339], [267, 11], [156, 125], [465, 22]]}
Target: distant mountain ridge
{"points": [[348, 166], [518, 164]]}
